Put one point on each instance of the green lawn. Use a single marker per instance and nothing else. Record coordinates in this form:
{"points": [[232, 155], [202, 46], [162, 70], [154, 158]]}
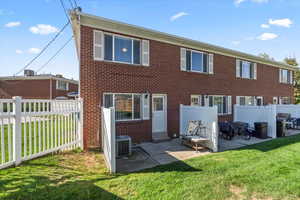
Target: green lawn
{"points": [[269, 170]]}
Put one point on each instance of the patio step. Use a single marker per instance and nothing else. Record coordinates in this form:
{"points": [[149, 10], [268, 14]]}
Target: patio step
{"points": [[160, 137]]}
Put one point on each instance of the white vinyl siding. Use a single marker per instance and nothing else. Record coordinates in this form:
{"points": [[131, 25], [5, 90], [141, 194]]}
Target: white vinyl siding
{"points": [[246, 70], [196, 61]]}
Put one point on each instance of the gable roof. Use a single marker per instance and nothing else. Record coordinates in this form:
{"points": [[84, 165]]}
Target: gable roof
{"points": [[79, 18]]}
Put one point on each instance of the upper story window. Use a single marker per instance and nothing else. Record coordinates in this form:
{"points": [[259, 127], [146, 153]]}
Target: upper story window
{"points": [[62, 85], [245, 69], [116, 48], [196, 61], [285, 76]]}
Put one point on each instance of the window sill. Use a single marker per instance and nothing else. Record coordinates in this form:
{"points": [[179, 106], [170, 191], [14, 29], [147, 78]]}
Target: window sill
{"points": [[204, 73], [224, 114], [129, 121], [122, 63], [285, 83], [241, 78]]}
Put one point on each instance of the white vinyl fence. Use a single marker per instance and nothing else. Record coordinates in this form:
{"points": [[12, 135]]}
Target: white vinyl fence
{"points": [[109, 138], [33, 128], [208, 116], [251, 114], [294, 110]]}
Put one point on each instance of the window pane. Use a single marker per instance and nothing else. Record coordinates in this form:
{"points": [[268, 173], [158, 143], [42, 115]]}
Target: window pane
{"points": [[246, 71], [123, 106], [218, 101], [288, 76], [188, 60], [137, 107], [195, 100], [108, 101], [205, 62], [136, 52], [158, 104], [123, 49], [224, 104], [242, 101], [197, 62], [108, 47], [210, 101]]}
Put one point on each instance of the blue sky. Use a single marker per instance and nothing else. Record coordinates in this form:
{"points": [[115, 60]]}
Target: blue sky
{"points": [[252, 26]]}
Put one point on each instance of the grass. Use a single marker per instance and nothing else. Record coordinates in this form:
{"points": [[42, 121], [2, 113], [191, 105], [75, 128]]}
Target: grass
{"points": [[269, 170]]}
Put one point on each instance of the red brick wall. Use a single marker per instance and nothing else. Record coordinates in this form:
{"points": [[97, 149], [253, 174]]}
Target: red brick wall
{"points": [[163, 76], [34, 89]]}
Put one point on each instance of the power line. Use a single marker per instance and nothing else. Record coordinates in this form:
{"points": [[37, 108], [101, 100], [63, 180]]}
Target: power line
{"points": [[44, 49], [65, 10], [72, 6], [75, 2], [58, 51]]}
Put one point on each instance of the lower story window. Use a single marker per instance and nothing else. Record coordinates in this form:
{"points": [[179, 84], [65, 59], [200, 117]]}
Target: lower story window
{"points": [[249, 101], [223, 103], [284, 100], [127, 106]]}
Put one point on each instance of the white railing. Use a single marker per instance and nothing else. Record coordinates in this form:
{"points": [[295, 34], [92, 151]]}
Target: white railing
{"points": [[109, 138], [33, 128], [208, 116]]}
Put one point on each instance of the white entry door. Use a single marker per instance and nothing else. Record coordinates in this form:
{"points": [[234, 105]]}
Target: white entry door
{"points": [[159, 113]]}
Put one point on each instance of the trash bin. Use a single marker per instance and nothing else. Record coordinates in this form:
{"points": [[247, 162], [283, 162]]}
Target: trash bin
{"points": [[280, 128], [261, 129]]}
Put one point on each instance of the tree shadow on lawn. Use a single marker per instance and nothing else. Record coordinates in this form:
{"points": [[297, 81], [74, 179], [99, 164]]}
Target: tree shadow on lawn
{"points": [[41, 187], [273, 144]]}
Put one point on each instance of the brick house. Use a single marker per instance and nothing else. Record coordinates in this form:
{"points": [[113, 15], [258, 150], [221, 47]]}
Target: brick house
{"points": [[147, 74], [44, 86]]}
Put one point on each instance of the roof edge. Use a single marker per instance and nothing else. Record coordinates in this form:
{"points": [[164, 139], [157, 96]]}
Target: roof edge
{"points": [[138, 31]]}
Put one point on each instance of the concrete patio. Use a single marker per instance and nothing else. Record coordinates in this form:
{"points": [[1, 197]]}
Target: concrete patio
{"points": [[147, 155]]}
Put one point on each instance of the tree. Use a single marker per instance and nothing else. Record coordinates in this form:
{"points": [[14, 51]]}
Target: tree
{"points": [[265, 56], [293, 62]]}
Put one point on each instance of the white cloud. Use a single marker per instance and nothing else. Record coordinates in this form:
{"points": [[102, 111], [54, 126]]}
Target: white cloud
{"points": [[34, 50], [18, 51], [267, 36], [236, 43], [12, 24], [178, 15], [286, 22], [238, 2], [43, 29], [265, 26]]}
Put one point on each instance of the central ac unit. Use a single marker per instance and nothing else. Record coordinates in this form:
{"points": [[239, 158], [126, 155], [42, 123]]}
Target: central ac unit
{"points": [[123, 145]]}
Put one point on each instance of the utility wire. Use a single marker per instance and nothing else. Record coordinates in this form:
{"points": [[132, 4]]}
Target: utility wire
{"points": [[58, 51], [65, 10], [72, 6], [75, 3], [44, 49]]}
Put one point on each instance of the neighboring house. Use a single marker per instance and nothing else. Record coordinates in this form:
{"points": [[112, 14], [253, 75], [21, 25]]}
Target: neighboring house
{"points": [[44, 86], [145, 75]]}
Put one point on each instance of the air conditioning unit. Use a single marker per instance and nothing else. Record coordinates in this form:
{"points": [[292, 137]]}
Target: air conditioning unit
{"points": [[123, 145]]}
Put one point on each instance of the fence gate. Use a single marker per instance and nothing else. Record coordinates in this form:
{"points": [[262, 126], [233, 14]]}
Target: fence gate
{"points": [[109, 138], [33, 128]]}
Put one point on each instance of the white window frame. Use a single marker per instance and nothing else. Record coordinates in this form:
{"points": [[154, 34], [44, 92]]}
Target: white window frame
{"points": [[207, 67], [289, 76], [195, 96], [60, 88], [239, 71], [281, 100], [113, 49], [227, 106], [206, 102], [132, 96], [247, 100]]}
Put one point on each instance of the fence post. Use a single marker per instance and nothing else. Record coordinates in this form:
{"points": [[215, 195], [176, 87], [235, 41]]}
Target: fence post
{"points": [[17, 136], [80, 124]]}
